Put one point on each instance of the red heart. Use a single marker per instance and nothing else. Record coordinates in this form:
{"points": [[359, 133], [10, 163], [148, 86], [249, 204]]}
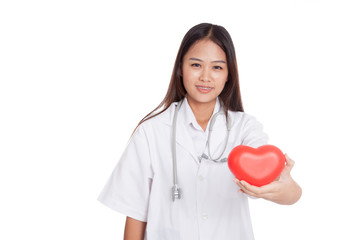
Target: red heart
{"points": [[257, 166]]}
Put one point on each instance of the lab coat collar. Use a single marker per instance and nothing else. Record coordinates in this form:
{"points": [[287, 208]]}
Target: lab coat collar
{"points": [[186, 117], [189, 117]]}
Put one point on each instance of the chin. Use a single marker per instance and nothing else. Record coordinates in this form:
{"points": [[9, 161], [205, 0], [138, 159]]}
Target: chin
{"points": [[203, 99]]}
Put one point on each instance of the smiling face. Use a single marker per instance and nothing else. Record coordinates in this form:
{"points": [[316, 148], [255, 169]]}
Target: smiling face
{"points": [[204, 72]]}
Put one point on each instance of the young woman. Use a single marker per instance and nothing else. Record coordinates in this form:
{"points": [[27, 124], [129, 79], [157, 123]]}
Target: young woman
{"points": [[172, 182]]}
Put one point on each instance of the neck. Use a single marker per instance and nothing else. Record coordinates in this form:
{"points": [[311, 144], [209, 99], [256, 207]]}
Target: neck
{"points": [[202, 111]]}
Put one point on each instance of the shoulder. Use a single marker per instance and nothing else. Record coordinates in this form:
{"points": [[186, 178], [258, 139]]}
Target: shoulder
{"points": [[161, 120], [242, 119], [248, 129], [154, 131]]}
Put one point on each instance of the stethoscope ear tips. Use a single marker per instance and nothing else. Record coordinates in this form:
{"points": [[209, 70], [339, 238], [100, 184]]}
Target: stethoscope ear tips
{"points": [[176, 193]]}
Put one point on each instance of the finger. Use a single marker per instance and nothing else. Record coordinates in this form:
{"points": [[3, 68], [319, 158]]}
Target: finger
{"points": [[246, 191], [288, 167], [260, 191], [242, 188], [237, 181], [248, 188], [289, 162]]}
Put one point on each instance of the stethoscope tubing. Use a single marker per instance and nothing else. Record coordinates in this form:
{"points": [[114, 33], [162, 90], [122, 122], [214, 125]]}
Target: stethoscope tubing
{"points": [[176, 191]]}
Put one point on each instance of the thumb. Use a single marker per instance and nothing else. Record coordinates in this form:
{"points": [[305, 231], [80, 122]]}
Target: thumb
{"points": [[289, 165], [289, 162]]}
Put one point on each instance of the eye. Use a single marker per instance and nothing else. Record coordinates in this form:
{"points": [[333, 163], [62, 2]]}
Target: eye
{"points": [[218, 67], [195, 65]]}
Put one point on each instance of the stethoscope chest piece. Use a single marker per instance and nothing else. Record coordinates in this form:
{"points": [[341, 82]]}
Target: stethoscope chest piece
{"points": [[176, 193]]}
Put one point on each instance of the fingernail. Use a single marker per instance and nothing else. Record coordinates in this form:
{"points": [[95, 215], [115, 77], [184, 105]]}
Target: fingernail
{"points": [[243, 183], [236, 180]]}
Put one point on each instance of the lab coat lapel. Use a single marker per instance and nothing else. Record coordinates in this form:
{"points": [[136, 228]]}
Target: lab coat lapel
{"points": [[217, 141], [184, 141], [183, 137]]}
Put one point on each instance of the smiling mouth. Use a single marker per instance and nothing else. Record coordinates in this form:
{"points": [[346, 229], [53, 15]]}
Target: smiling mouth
{"points": [[205, 88]]}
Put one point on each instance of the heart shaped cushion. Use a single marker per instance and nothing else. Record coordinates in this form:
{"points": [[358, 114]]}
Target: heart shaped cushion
{"points": [[257, 166]]}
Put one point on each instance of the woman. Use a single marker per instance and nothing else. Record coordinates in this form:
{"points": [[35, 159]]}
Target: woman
{"points": [[195, 197]]}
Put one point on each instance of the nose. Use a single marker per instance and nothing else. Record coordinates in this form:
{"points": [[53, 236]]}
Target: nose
{"points": [[205, 75]]}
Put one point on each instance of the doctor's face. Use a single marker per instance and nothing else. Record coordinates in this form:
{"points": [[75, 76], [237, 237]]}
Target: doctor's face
{"points": [[204, 72]]}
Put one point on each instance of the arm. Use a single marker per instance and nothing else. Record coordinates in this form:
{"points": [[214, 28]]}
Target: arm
{"points": [[282, 191], [134, 229]]}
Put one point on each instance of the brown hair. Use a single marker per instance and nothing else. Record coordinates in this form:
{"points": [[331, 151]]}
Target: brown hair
{"points": [[230, 95]]}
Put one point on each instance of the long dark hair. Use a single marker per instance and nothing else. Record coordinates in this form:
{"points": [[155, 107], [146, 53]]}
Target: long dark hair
{"points": [[230, 95]]}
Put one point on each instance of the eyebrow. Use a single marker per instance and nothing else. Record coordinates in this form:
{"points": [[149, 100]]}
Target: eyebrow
{"points": [[216, 61]]}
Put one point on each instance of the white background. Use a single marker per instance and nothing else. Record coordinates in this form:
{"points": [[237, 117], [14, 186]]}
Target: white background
{"points": [[77, 76]]}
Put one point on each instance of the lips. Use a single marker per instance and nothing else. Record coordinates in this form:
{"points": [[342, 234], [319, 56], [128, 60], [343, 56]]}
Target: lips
{"points": [[204, 89]]}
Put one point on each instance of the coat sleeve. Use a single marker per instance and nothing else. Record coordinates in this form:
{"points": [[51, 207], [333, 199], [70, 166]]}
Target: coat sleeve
{"points": [[253, 134], [128, 188]]}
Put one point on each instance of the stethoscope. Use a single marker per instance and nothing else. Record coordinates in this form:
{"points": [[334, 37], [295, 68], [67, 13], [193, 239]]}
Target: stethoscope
{"points": [[176, 191]]}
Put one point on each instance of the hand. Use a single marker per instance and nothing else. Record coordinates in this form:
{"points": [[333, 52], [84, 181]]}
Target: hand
{"points": [[283, 190]]}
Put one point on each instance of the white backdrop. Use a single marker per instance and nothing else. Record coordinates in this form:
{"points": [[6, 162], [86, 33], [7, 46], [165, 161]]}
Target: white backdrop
{"points": [[77, 76]]}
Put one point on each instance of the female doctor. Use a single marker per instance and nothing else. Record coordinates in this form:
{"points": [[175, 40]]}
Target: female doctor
{"points": [[172, 181]]}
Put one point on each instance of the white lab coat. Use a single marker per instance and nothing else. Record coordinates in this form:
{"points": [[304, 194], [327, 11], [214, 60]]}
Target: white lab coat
{"points": [[210, 208]]}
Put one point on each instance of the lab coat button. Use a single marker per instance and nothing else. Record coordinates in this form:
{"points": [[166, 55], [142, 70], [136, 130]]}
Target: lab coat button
{"points": [[201, 178], [204, 217]]}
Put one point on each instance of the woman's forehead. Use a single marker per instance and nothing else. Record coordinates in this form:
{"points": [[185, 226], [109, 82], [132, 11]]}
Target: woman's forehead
{"points": [[206, 49]]}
